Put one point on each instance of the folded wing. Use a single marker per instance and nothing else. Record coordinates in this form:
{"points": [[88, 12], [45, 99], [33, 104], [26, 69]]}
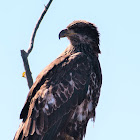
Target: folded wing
{"points": [[59, 88]]}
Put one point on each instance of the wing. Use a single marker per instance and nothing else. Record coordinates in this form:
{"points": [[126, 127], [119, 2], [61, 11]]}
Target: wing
{"points": [[54, 96]]}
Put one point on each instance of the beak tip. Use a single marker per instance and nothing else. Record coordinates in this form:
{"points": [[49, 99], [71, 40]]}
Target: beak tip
{"points": [[63, 33], [59, 37]]}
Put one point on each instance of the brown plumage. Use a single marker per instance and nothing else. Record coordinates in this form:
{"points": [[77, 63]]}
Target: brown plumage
{"points": [[65, 94]]}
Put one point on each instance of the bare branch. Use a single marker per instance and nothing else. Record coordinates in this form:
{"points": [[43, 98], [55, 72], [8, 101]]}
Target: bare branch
{"points": [[27, 68], [25, 54], [37, 26]]}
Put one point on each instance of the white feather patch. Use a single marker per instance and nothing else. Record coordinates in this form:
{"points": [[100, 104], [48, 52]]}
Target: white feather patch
{"points": [[51, 99], [90, 106]]}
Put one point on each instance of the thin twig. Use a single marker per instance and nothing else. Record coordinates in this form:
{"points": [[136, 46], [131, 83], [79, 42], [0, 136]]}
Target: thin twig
{"points": [[37, 26], [25, 54]]}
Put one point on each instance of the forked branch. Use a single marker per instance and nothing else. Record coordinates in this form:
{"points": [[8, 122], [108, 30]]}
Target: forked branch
{"points": [[25, 54]]}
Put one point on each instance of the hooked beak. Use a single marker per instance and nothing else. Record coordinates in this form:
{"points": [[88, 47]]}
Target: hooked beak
{"points": [[65, 33]]}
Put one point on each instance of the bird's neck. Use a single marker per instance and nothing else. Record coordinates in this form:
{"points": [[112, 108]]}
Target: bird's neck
{"points": [[85, 48]]}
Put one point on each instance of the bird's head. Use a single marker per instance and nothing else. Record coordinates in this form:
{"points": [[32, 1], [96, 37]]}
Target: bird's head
{"points": [[82, 32]]}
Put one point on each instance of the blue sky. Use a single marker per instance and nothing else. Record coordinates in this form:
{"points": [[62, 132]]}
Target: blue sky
{"points": [[118, 113]]}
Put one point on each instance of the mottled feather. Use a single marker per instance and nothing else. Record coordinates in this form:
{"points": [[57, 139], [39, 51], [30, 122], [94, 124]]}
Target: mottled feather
{"points": [[65, 94]]}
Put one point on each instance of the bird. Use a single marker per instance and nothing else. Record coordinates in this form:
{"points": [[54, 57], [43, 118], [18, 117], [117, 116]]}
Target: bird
{"points": [[65, 94]]}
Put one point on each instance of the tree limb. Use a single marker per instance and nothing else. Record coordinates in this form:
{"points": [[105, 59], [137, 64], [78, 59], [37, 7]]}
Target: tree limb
{"points": [[25, 54], [27, 68], [37, 26]]}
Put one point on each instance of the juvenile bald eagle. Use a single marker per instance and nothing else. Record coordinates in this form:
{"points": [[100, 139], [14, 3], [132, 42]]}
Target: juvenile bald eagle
{"points": [[65, 94]]}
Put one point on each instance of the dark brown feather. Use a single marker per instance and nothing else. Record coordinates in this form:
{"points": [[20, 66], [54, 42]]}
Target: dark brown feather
{"points": [[65, 94]]}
